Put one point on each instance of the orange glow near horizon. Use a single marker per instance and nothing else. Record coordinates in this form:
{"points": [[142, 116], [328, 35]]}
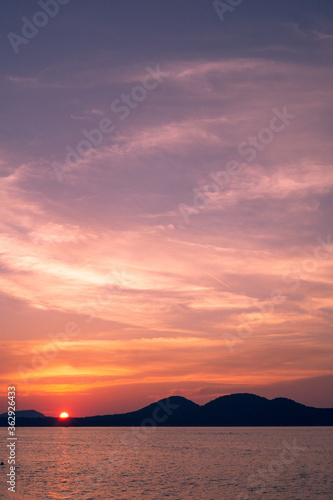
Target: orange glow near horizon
{"points": [[171, 260]]}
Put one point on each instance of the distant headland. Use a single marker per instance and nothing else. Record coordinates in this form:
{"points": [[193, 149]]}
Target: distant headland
{"points": [[239, 410]]}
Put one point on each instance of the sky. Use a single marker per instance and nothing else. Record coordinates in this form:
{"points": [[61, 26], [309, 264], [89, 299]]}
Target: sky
{"points": [[166, 202]]}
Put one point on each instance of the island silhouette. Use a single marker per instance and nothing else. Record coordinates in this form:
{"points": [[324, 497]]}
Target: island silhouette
{"points": [[176, 411]]}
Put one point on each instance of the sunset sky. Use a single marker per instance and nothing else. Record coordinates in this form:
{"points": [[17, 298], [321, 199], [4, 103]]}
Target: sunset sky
{"points": [[189, 251]]}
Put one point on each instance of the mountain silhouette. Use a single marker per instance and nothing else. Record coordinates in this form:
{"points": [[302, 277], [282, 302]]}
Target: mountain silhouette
{"points": [[25, 414], [233, 410]]}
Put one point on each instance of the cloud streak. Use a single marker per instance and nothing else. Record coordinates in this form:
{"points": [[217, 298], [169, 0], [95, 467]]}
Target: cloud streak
{"points": [[108, 249]]}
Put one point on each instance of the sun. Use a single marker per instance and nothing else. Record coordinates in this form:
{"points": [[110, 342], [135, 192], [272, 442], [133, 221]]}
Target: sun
{"points": [[64, 415]]}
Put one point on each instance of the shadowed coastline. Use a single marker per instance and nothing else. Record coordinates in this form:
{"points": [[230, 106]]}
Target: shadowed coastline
{"points": [[233, 410]]}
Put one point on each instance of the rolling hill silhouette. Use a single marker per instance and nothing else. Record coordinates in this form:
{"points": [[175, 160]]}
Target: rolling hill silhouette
{"points": [[233, 410], [26, 413]]}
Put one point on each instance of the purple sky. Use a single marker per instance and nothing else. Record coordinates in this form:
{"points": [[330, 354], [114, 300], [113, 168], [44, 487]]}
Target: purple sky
{"points": [[189, 251]]}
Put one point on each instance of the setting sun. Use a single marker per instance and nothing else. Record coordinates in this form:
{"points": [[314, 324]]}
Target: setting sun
{"points": [[64, 415]]}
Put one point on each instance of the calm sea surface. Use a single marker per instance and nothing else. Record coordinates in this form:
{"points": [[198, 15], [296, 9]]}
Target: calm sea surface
{"points": [[174, 463]]}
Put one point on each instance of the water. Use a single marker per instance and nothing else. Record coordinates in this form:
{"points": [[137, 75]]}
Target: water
{"points": [[171, 463]]}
